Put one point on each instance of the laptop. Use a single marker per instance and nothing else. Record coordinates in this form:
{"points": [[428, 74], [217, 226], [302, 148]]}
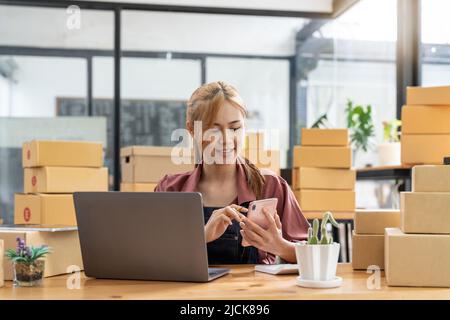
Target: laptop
{"points": [[143, 236]]}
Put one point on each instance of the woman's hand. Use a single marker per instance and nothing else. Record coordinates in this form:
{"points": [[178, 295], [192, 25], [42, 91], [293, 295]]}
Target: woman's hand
{"points": [[221, 219], [270, 240]]}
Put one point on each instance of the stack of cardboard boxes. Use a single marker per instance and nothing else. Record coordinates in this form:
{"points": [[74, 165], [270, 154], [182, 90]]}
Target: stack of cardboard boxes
{"points": [[322, 178], [255, 151], [2, 253], [425, 125], [53, 170], [418, 253], [144, 166], [368, 236]]}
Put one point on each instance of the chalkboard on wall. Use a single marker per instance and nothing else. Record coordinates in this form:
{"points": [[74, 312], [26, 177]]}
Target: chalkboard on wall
{"points": [[143, 122]]}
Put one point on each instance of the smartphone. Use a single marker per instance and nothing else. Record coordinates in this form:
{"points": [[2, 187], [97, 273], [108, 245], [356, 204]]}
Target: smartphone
{"points": [[256, 215]]}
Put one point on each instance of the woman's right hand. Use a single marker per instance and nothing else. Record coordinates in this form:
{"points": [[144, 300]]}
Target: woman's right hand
{"points": [[220, 220]]}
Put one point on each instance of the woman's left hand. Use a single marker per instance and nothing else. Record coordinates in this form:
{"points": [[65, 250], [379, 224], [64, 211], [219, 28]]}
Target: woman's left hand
{"points": [[270, 240]]}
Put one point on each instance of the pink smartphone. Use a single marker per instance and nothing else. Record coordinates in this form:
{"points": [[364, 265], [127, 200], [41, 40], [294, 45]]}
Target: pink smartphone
{"points": [[256, 215]]}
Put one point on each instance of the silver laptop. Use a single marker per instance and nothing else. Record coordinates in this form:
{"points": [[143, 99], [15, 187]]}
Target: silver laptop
{"points": [[143, 236]]}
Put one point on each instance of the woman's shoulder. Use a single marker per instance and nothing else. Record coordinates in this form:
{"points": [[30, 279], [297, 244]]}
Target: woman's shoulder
{"points": [[173, 182], [273, 181]]}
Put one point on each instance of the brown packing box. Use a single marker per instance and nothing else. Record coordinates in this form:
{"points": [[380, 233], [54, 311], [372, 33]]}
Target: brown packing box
{"points": [[2, 254], [40, 153], [428, 95], [268, 159], [375, 221], [431, 178], [417, 260], [48, 209], [425, 212], [65, 247], [143, 164], [338, 215], [322, 157], [137, 187], [367, 250], [254, 140], [65, 179], [323, 178], [425, 149], [324, 137], [323, 200], [425, 120]]}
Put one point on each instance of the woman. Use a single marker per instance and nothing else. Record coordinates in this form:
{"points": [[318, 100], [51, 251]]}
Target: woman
{"points": [[230, 182]]}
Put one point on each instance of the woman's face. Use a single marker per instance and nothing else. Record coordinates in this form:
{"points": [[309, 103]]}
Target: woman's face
{"points": [[222, 142]]}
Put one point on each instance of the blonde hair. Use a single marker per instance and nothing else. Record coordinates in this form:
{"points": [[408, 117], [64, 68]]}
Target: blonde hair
{"points": [[204, 105]]}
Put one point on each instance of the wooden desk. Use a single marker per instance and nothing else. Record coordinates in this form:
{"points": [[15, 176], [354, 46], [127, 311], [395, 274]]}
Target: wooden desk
{"points": [[242, 283]]}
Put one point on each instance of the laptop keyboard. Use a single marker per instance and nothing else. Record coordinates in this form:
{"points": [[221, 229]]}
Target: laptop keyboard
{"points": [[212, 272]]}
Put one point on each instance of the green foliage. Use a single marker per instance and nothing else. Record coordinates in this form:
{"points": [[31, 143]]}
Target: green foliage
{"points": [[390, 130], [26, 254], [321, 122], [360, 123], [313, 233]]}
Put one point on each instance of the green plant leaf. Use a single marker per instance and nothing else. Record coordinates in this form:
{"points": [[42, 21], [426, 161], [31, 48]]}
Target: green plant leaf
{"points": [[321, 121], [360, 123], [314, 238]]}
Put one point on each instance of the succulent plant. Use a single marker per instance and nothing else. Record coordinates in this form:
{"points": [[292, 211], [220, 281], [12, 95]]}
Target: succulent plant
{"points": [[313, 233]]}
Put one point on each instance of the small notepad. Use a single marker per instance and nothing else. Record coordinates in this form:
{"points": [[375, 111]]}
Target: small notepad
{"points": [[277, 268]]}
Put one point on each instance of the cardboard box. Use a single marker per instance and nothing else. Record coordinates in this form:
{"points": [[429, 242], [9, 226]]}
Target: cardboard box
{"points": [[428, 95], [367, 250], [40, 153], [323, 178], [425, 212], [65, 247], [2, 254], [48, 209], [254, 140], [137, 187], [418, 260], [324, 200], [338, 215], [375, 221], [425, 149], [141, 164], [65, 179], [425, 120], [431, 178], [322, 157], [268, 159], [324, 137]]}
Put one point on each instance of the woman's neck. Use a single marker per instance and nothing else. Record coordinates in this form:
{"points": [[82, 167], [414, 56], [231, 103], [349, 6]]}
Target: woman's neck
{"points": [[218, 172]]}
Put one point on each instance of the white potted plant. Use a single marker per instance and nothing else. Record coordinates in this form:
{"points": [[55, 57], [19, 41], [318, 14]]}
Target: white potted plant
{"points": [[389, 150], [318, 258]]}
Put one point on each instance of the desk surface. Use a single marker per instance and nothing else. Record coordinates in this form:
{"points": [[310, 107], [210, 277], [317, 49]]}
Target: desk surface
{"points": [[241, 283]]}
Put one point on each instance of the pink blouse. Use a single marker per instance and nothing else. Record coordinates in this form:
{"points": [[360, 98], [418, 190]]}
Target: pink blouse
{"points": [[294, 224]]}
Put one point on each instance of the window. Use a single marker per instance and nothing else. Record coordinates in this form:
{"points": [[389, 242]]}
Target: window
{"points": [[351, 58], [435, 43], [42, 81]]}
